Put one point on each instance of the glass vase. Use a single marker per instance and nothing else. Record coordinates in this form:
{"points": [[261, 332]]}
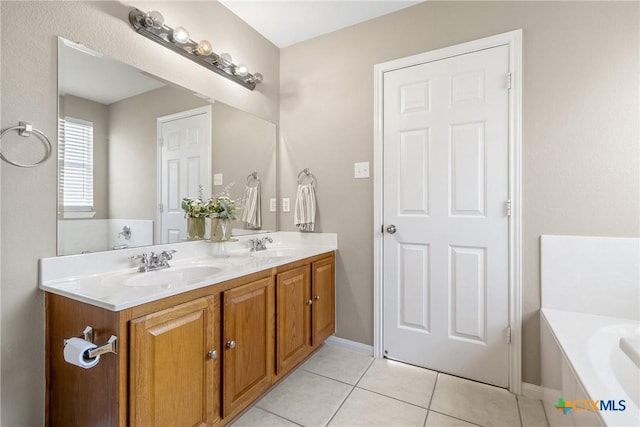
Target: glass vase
{"points": [[195, 228], [220, 229]]}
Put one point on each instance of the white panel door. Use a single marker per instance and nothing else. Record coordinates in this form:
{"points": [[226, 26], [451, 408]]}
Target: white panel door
{"points": [[446, 170], [185, 165]]}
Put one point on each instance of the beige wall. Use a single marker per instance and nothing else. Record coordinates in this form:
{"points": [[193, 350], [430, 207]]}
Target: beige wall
{"points": [[580, 137], [98, 114], [29, 92]]}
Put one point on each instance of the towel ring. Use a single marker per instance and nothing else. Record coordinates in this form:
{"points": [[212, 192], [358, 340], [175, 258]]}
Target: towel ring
{"points": [[306, 174], [24, 129], [253, 176]]}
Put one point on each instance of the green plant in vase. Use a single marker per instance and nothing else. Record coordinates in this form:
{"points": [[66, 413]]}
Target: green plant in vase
{"points": [[222, 210], [195, 211]]}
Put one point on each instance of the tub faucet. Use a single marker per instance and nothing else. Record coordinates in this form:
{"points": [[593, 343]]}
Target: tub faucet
{"points": [[126, 232], [259, 244]]}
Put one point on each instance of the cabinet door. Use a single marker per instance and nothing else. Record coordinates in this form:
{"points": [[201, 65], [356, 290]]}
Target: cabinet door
{"points": [[173, 378], [323, 295], [248, 323], [293, 318]]}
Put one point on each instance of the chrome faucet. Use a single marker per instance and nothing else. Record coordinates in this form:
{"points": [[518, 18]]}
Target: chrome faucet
{"points": [[259, 244], [154, 261]]}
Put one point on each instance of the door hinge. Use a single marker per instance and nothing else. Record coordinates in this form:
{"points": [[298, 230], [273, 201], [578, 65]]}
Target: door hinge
{"points": [[508, 335], [160, 207], [508, 80], [508, 207]]}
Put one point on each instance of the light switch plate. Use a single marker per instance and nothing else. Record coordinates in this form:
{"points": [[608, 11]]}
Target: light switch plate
{"points": [[361, 170], [217, 179], [273, 204], [286, 205]]}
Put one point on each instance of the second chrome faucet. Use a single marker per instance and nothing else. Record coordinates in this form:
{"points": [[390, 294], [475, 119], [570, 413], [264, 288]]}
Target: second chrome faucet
{"points": [[259, 244]]}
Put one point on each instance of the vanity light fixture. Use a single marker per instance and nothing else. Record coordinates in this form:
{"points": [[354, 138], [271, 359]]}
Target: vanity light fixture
{"points": [[152, 26]]}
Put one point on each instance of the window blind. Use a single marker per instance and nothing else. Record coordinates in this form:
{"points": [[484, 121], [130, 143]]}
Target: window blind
{"points": [[76, 169]]}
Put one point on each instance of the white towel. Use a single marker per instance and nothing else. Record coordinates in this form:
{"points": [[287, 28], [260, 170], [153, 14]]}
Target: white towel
{"points": [[305, 212], [251, 207]]}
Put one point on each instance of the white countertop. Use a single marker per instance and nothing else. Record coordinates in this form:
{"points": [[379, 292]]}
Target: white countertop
{"points": [[100, 279]]}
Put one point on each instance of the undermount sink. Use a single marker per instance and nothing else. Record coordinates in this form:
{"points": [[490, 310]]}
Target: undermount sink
{"points": [[172, 276], [275, 253]]}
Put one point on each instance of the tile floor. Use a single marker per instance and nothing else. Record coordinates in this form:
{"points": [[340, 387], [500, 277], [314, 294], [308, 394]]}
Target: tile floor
{"points": [[338, 387]]}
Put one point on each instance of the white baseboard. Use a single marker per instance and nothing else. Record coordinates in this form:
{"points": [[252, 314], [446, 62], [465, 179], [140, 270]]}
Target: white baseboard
{"points": [[532, 391], [350, 345]]}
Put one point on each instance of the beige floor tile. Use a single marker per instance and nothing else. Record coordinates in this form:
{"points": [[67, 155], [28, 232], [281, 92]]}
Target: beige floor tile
{"points": [[531, 412], [305, 398], [478, 403], [435, 419], [400, 381], [338, 363], [256, 417], [364, 408]]}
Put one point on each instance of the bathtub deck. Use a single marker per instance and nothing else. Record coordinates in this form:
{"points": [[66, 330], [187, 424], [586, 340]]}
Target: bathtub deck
{"points": [[574, 332]]}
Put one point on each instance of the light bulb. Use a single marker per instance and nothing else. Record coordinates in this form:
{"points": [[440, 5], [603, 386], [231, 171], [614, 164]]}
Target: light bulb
{"points": [[180, 35], [153, 19], [241, 70], [225, 58], [257, 78], [204, 48]]}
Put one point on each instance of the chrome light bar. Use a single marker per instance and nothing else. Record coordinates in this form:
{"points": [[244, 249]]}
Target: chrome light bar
{"points": [[151, 25]]}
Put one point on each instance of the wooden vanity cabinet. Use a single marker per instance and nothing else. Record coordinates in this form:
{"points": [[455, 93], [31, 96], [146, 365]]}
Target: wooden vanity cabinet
{"points": [[173, 374], [77, 396], [323, 291], [194, 359], [293, 318], [305, 307], [247, 359]]}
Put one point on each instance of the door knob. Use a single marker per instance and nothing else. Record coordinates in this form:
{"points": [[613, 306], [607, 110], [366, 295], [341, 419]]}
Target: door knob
{"points": [[317, 297], [231, 344], [309, 302], [391, 229], [213, 354]]}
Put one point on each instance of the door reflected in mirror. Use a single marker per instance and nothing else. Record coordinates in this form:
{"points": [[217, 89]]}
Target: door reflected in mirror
{"points": [[131, 146]]}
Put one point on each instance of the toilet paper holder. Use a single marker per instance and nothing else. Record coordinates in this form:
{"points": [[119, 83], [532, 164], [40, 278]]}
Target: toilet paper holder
{"points": [[110, 347]]}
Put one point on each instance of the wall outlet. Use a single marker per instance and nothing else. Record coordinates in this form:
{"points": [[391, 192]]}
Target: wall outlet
{"points": [[286, 205], [217, 179], [273, 204], [361, 170]]}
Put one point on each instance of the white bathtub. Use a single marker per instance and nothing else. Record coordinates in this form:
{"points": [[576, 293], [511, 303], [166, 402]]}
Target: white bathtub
{"points": [[582, 359]]}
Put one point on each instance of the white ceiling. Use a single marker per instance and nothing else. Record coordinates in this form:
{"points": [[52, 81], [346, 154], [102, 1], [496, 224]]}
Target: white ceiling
{"points": [[287, 22]]}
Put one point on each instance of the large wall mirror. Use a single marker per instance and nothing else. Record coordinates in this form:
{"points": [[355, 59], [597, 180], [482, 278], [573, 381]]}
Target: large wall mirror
{"points": [[131, 146]]}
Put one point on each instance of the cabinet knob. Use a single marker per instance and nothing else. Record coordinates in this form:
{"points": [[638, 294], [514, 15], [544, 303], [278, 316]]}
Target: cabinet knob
{"points": [[213, 354], [309, 302], [231, 344], [317, 298]]}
